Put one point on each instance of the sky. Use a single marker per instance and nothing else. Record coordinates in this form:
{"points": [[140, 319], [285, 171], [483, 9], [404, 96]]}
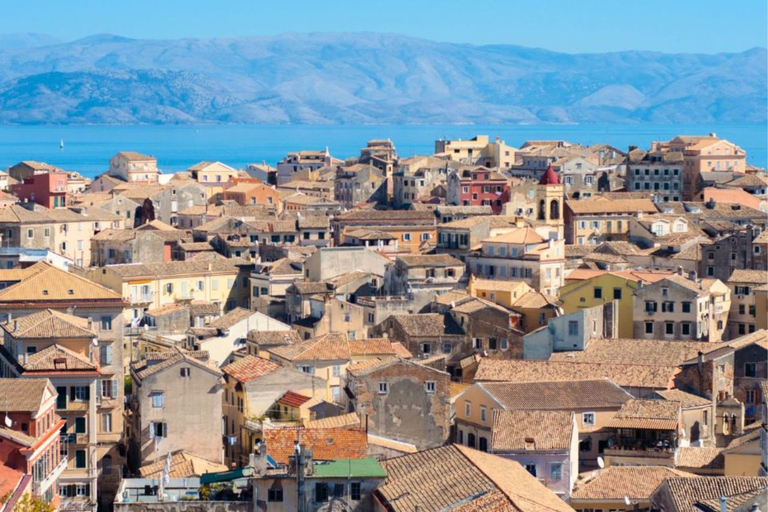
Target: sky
{"points": [[573, 26]]}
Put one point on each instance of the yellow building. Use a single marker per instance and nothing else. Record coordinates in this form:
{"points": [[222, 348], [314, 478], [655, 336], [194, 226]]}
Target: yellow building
{"points": [[588, 288], [761, 307], [224, 283]]}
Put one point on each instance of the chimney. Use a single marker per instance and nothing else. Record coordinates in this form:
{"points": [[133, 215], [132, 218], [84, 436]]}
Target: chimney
{"points": [[700, 360], [15, 325], [679, 270], [692, 275], [723, 504]]}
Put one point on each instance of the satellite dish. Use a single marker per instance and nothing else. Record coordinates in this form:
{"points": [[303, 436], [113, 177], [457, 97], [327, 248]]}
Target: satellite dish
{"points": [[627, 501], [682, 433], [95, 342], [8, 422], [600, 462]]}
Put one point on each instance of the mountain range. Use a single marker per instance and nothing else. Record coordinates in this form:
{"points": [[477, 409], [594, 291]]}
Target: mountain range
{"points": [[366, 78]]}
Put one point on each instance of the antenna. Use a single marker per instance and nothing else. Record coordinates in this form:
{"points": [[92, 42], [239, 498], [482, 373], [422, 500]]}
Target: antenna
{"points": [[600, 462]]}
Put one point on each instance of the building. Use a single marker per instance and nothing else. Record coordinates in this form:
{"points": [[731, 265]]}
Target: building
{"points": [[421, 274], [400, 400], [478, 150], [295, 162], [658, 173], [133, 167], [704, 154], [212, 173], [742, 318], [593, 402], [55, 297], [585, 288], [426, 334], [478, 187], [572, 331], [250, 192], [545, 443], [599, 219], [252, 385], [455, 477], [522, 254], [49, 189], [684, 494], [145, 286], [175, 404], [608, 489], [680, 308], [31, 452], [360, 184]]}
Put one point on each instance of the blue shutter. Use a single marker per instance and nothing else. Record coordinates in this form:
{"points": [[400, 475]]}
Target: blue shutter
{"points": [[114, 388]]}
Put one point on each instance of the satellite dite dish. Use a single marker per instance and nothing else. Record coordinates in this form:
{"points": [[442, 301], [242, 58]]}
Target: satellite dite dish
{"points": [[8, 422], [627, 501], [600, 462]]}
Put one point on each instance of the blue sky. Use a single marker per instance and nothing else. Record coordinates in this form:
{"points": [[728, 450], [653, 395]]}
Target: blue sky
{"points": [[573, 26]]}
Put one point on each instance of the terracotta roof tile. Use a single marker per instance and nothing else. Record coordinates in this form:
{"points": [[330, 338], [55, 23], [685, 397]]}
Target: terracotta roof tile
{"points": [[614, 483], [532, 431], [293, 399], [647, 414], [53, 284], [250, 368], [48, 324], [23, 395], [564, 395], [58, 358], [685, 492], [325, 443]]}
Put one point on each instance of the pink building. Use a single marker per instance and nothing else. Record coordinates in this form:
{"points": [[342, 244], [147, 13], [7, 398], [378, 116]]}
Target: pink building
{"points": [[49, 190]]}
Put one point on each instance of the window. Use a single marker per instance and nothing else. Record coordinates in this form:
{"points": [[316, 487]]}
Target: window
{"points": [[80, 461], [307, 369], [81, 426], [275, 493], [80, 393], [106, 422], [750, 369], [668, 307], [665, 292], [109, 388], [30, 233], [158, 430], [686, 329], [573, 328], [446, 348], [383, 388], [617, 293], [105, 354], [483, 414], [669, 328], [651, 306], [503, 344], [184, 372], [588, 419], [355, 491], [598, 293], [61, 398], [531, 468], [467, 408], [424, 237], [321, 492], [158, 399], [430, 386], [686, 307], [406, 237], [555, 471]]}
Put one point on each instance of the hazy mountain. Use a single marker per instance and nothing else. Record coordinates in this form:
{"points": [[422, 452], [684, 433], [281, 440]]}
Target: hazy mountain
{"points": [[368, 78]]}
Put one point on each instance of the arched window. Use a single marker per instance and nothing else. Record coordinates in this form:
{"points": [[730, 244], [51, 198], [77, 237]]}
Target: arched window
{"points": [[471, 440], [725, 423], [483, 444], [554, 209], [542, 209]]}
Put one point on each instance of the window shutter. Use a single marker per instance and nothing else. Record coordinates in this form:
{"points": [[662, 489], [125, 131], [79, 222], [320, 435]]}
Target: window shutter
{"points": [[72, 393], [87, 392], [114, 388], [108, 356], [151, 429]]}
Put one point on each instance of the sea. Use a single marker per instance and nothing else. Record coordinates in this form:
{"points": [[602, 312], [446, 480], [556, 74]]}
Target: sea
{"points": [[87, 149]]}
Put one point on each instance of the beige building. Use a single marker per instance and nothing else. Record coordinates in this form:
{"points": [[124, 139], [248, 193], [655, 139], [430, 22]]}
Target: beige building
{"points": [[743, 317], [132, 167], [705, 154], [680, 308], [478, 150], [524, 255], [176, 404], [599, 219]]}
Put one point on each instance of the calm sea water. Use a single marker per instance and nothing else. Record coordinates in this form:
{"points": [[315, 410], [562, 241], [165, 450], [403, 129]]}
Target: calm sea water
{"points": [[88, 148]]}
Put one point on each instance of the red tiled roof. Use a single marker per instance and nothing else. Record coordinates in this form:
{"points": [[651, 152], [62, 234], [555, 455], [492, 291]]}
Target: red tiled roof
{"points": [[325, 443], [250, 368], [293, 399], [549, 177]]}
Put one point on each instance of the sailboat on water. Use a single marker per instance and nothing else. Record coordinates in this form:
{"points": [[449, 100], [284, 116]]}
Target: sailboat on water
{"points": [[61, 144]]}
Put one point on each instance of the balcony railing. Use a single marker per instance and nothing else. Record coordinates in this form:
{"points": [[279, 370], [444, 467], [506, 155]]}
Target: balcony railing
{"points": [[40, 487], [139, 298]]}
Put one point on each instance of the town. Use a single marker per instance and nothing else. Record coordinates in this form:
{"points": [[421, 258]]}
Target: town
{"points": [[554, 327]]}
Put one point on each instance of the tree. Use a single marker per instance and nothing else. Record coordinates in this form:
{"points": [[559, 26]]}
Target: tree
{"points": [[29, 503]]}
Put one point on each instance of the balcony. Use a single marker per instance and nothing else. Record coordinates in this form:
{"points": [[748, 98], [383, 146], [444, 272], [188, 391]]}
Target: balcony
{"points": [[40, 487], [141, 298]]}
